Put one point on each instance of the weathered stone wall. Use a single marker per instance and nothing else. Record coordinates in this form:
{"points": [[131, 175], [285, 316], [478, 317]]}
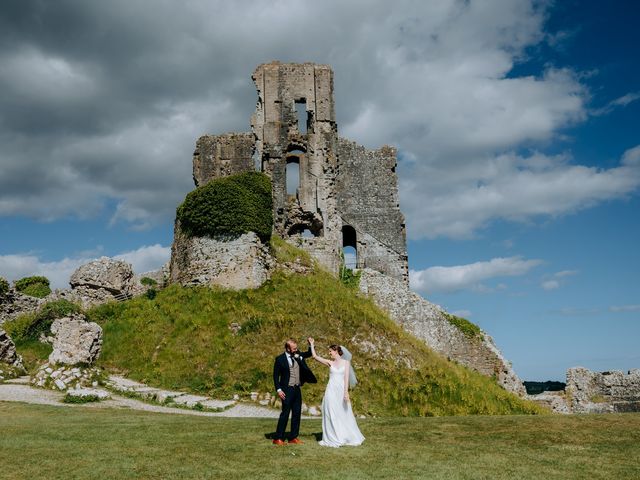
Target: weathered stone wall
{"points": [[367, 190], [340, 182], [8, 353], [14, 303], [237, 263], [281, 140], [429, 323], [218, 156], [594, 392]]}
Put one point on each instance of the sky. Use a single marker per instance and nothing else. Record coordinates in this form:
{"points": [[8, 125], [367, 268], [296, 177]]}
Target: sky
{"points": [[516, 124]]}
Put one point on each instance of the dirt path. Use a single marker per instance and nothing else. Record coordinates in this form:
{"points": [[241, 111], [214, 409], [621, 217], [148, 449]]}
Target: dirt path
{"points": [[19, 391]]}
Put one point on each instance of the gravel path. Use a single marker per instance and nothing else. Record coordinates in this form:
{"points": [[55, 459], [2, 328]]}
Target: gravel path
{"points": [[19, 392]]}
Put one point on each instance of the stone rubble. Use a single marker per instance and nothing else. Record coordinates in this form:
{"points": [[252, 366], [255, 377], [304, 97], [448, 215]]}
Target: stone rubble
{"points": [[554, 401], [98, 393], [130, 387], [15, 303], [75, 341], [65, 377]]}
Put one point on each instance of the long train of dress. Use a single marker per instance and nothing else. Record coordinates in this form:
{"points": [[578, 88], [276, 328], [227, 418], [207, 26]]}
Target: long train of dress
{"points": [[339, 425]]}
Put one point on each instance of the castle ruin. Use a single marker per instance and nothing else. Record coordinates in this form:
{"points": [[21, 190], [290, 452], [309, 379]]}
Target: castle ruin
{"points": [[346, 195]]}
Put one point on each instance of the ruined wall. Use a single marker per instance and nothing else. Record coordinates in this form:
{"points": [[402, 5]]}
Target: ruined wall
{"points": [[218, 156], [340, 183], [237, 263], [311, 142], [367, 190], [595, 392], [428, 322]]}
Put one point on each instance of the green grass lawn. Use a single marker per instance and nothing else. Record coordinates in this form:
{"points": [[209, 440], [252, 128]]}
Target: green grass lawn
{"points": [[78, 442]]}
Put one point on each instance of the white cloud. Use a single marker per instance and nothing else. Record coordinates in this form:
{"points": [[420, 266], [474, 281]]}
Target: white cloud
{"points": [[624, 308], [461, 313], [456, 201], [450, 279], [622, 101], [115, 117], [557, 280], [146, 259], [550, 284], [16, 266]]}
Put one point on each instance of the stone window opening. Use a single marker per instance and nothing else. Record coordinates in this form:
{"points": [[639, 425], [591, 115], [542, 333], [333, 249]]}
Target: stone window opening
{"points": [[292, 176], [306, 229], [292, 171], [302, 115], [349, 247]]}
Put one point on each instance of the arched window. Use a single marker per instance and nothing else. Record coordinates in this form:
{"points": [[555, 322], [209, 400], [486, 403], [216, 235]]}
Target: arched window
{"points": [[292, 173]]}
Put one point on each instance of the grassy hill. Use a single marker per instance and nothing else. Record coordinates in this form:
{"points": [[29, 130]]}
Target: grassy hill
{"points": [[182, 339]]}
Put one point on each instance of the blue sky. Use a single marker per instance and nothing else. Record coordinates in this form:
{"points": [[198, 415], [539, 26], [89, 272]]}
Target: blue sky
{"points": [[516, 124]]}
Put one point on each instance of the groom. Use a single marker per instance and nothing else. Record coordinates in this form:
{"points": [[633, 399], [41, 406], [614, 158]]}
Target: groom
{"points": [[290, 372]]}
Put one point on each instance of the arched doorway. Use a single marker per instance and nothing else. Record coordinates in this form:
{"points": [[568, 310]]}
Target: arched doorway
{"points": [[349, 247]]}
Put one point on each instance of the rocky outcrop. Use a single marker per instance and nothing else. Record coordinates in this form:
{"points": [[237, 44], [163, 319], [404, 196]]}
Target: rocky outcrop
{"points": [[75, 341], [595, 392], [8, 353], [14, 303], [102, 280], [431, 324], [238, 263]]}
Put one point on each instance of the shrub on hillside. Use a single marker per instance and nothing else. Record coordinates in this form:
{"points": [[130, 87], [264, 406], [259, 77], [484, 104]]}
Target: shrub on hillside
{"points": [[465, 326], [36, 286], [4, 286], [229, 207], [148, 281], [29, 326]]}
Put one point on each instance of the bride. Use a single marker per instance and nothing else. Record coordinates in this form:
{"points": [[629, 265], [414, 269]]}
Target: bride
{"points": [[338, 423]]}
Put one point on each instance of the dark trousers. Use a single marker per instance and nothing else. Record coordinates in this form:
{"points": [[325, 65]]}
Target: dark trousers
{"points": [[291, 404]]}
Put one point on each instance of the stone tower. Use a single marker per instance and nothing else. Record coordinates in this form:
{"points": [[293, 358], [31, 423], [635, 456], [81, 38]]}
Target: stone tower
{"points": [[346, 195]]}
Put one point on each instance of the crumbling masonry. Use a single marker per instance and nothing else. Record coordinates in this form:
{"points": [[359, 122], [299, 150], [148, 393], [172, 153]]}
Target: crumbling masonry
{"points": [[347, 196]]}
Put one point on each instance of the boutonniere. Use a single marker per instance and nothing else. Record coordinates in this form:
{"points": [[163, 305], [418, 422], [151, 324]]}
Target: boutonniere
{"points": [[296, 356]]}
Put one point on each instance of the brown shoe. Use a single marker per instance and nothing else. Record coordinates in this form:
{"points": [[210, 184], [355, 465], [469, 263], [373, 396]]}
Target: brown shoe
{"points": [[278, 442], [296, 441]]}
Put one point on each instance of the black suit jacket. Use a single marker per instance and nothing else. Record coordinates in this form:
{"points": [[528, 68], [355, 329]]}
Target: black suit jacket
{"points": [[281, 370]]}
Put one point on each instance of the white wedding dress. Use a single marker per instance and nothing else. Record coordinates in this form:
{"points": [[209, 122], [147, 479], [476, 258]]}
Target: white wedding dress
{"points": [[339, 426]]}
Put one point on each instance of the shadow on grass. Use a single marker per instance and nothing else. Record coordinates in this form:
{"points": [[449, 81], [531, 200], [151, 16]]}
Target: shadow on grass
{"points": [[272, 435]]}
